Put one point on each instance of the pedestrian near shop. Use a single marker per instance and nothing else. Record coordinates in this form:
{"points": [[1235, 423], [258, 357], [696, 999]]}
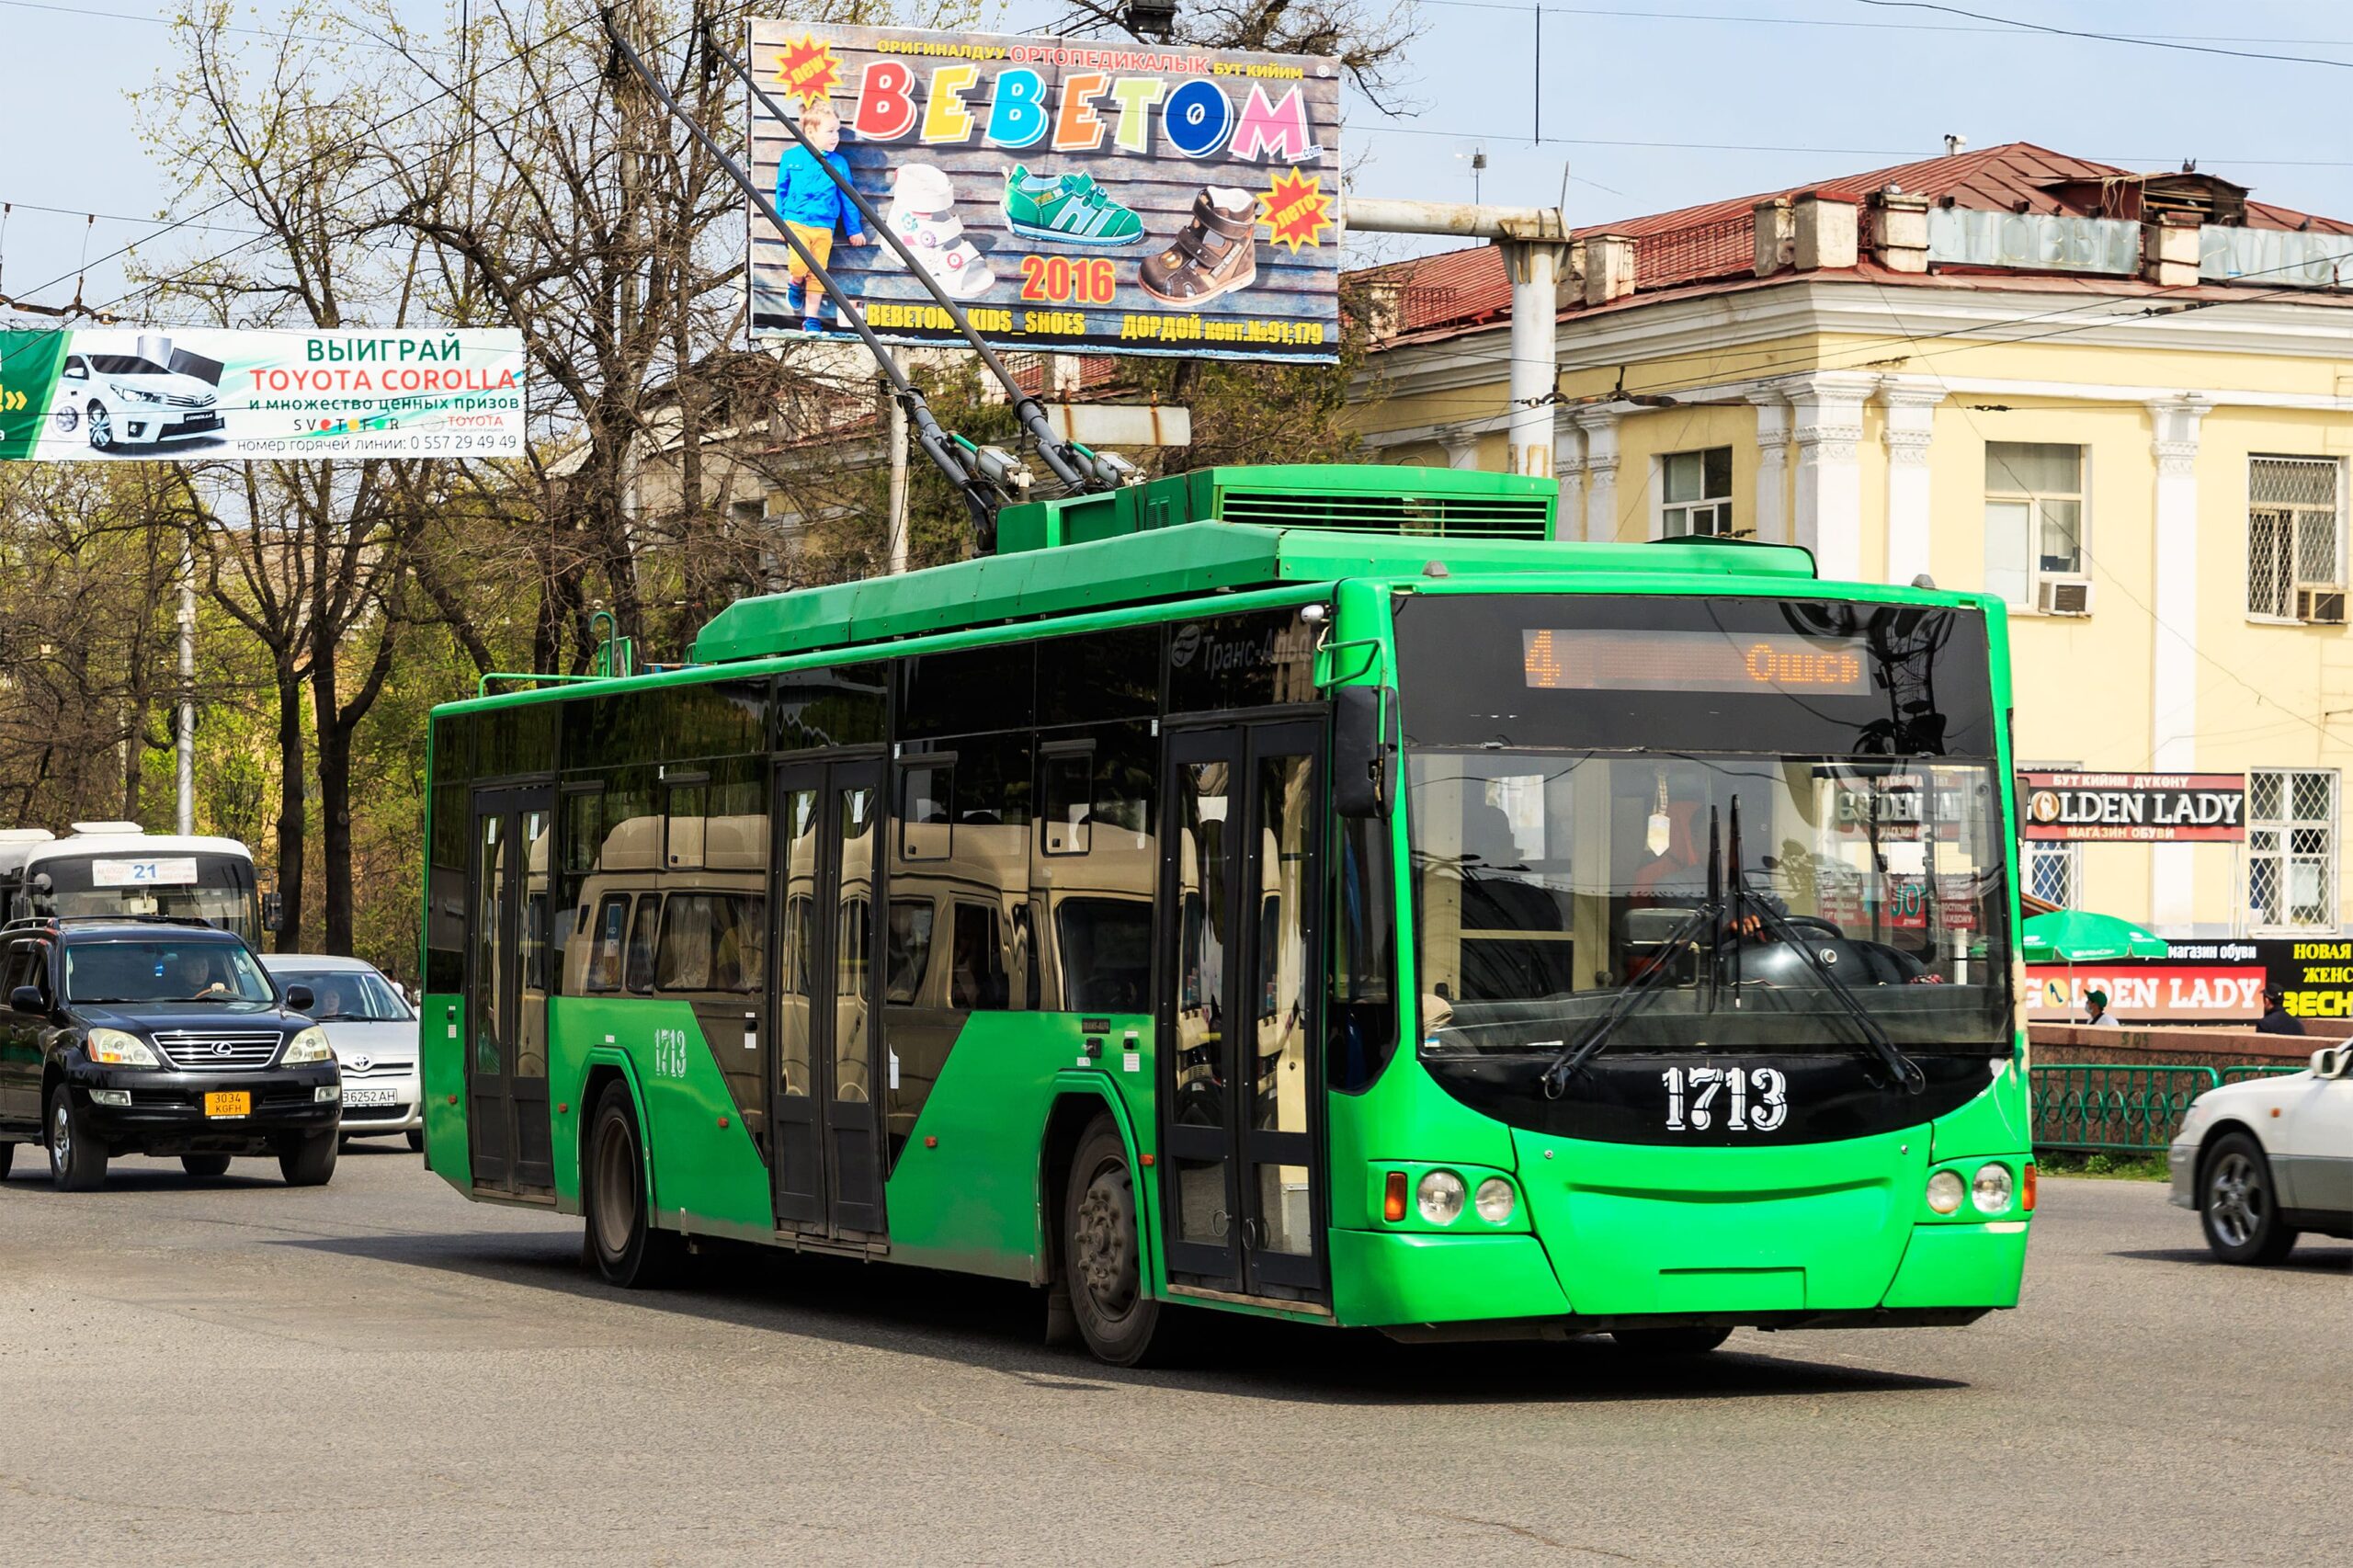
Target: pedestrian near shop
{"points": [[2276, 1017], [2096, 1004]]}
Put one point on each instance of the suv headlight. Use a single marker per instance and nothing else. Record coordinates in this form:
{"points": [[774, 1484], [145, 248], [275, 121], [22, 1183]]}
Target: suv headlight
{"points": [[311, 1045], [112, 1047]]}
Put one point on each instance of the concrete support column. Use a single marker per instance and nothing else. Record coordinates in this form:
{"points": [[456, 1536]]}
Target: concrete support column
{"points": [[2173, 602], [1911, 406], [1462, 446], [1534, 266], [1600, 427], [1827, 422], [1770, 510]]}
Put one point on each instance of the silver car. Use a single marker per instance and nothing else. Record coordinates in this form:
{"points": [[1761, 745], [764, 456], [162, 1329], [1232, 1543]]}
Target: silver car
{"points": [[373, 1031]]}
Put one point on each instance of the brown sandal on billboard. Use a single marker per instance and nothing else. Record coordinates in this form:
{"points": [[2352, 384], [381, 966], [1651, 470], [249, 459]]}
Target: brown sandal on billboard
{"points": [[1215, 254]]}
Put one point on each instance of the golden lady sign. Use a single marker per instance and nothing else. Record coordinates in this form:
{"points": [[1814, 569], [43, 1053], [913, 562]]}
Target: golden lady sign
{"points": [[2144, 808]]}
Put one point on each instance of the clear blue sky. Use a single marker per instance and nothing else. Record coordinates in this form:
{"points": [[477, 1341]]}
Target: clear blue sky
{"points": [[1761, 94]]}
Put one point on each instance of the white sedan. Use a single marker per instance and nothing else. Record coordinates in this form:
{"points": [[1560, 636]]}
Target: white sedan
{"points": [[373, 1031], [2265, 1160]]}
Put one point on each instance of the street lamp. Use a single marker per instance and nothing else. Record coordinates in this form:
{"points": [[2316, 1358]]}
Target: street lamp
{"points": [[1151, 19]]}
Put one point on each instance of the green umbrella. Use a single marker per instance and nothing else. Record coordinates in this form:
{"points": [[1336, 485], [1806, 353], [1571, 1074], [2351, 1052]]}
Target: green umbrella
{"points": [[2075, 936]]}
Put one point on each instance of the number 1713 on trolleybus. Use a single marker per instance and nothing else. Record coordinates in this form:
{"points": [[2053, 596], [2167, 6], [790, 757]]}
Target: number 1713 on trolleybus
{"points": [[1306, 891]]}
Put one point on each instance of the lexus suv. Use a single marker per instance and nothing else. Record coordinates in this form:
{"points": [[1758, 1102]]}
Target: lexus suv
{"points": [[158, 1036]]}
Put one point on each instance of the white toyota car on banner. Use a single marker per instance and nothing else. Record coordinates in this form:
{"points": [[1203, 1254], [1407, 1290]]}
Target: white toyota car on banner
{"points": [[123, 400]]}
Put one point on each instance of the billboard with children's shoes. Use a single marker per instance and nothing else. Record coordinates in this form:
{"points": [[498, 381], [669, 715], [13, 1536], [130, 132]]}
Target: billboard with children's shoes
{"points": [[1114, 197]]}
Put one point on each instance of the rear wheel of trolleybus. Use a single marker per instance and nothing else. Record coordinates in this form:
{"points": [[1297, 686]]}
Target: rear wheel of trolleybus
{"points": [[628, 1250], [1102, 1258]]}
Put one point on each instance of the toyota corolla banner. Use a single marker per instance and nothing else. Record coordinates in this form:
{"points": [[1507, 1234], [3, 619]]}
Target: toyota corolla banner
{"points": [[194, 393], [1116, 198]]}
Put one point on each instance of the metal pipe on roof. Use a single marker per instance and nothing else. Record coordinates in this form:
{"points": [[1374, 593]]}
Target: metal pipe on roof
{"points": [[1535, 241]]}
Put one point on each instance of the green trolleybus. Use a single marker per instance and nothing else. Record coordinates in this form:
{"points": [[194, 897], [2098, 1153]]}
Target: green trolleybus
{"points": [[1307, 892]]}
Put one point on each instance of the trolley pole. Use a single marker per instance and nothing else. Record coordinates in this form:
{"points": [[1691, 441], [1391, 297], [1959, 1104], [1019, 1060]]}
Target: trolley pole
{"points": [[184, 818]]}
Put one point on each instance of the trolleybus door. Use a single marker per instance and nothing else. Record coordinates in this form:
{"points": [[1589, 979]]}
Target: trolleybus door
{"points": [[822, 1097], [1240, 1008], [508, 958]]}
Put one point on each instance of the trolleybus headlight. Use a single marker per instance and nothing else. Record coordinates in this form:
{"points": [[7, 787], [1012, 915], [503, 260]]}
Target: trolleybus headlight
{"points": [[1441, 1196], [1945, 1191], [1991, 1191], [1495, 1201]]}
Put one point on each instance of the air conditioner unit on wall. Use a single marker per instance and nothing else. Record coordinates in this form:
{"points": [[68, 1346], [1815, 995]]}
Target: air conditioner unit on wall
{"points": [[2064, 595], [2321, 604]]}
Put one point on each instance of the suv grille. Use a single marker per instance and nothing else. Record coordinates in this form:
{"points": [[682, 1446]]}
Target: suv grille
{"points": [[195, 1051], [1450, 517]]}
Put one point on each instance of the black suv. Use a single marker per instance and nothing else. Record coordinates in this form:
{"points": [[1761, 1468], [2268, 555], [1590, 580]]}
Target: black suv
{"points": [[158, 1037]]}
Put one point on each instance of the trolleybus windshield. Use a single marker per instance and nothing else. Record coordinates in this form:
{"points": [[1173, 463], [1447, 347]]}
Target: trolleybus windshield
{"points": [[1600, 790]]}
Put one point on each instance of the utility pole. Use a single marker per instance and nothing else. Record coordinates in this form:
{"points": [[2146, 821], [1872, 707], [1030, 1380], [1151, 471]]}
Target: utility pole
{"points": [[185, 819], [896, 528]]}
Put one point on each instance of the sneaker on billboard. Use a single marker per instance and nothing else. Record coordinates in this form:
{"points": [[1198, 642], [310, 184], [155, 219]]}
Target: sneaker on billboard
{"points": [[922, 215], [1070, 209]]}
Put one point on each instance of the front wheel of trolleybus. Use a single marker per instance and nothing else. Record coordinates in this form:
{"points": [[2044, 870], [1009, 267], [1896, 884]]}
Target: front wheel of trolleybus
{"points": [[628, 1249]]}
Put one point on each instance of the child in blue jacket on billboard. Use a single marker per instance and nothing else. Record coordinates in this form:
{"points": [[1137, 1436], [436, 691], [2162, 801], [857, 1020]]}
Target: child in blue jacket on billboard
{"points": [[812, 205]]}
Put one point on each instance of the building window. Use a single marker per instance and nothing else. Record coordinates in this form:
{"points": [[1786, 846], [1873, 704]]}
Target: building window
{"points": [[2034, 523], [1696, 488], [2291, 849], [2052, 871], [2292, 537]]}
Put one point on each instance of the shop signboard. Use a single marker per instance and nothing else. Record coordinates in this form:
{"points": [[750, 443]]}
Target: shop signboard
{"points": [[199, 392], [2140, 808], [1069, 194], [2212, 982]]}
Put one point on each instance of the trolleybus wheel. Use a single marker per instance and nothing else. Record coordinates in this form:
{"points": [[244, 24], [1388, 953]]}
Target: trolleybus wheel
{"points": [[2239, 1205], [1102, 1260], [629, 1251], [205, 1164], [1670, 1341]]}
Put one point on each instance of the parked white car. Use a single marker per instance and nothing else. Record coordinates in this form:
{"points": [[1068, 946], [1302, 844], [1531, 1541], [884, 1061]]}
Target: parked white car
{"points": [[373, 1031], [121, 399], [2267, 1159]]}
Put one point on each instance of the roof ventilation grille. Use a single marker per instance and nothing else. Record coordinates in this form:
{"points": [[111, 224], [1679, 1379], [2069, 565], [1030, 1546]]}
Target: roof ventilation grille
{"points": [[1446, 517]]}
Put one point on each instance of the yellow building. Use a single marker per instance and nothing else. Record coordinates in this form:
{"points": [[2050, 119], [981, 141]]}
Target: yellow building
{"points": [[2123, 401]]}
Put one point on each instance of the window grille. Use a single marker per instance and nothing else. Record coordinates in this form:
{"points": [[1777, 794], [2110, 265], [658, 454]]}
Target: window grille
{"points": [[2291, 849], [2292, 534]]}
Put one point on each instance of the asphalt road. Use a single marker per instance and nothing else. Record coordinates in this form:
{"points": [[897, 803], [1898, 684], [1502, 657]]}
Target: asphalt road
{"points": [[235, 1373]]}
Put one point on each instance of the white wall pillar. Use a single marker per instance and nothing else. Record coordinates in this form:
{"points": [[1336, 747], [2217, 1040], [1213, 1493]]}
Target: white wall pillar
{"points": [[1910, 408], [1769, 515], [1826, 424], [2173, 602], [1568, 464], [1462, 446], [1600, 427]]}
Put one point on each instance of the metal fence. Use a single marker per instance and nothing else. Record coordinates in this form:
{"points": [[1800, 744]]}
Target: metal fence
{"points": [[2120, 1107]]}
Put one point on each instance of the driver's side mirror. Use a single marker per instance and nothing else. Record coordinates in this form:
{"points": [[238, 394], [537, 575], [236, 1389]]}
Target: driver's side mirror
{"points": [[273, 911], [28, 999], [2329, 1061], [1364, 750], [299, 998]]}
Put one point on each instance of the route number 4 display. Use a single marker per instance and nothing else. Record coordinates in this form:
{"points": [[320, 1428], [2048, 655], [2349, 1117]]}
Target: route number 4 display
{"points": [[1757, 1097]]}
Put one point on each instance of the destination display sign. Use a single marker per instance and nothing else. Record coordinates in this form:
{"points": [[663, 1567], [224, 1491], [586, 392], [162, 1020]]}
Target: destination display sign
{"points": [[1072, 194], [1613, 659], [2141, 808]]}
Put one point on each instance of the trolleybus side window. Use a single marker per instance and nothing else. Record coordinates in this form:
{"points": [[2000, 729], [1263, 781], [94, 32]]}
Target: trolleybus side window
{"points": [[602, 971], [637, 967]]}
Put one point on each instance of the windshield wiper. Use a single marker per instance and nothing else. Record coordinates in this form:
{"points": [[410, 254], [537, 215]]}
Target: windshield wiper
{"points": [[1572, 1060], [1907, 1071]]}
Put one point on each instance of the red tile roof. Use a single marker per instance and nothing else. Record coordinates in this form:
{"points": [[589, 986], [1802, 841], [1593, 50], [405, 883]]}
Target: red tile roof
{"points": [[1455, 290]]}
